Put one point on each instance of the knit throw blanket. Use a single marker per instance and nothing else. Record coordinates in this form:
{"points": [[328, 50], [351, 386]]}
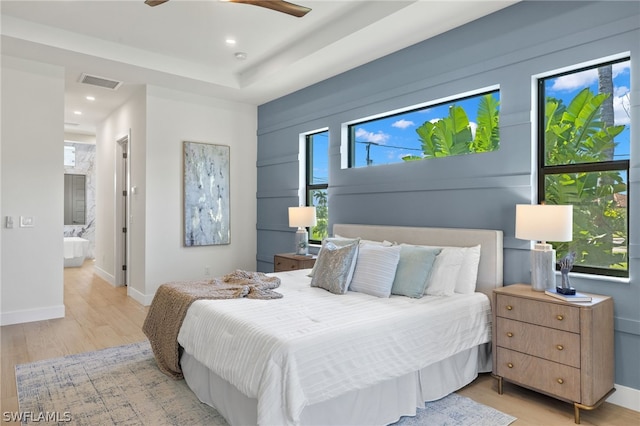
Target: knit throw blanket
{"points": [[171, 301]]}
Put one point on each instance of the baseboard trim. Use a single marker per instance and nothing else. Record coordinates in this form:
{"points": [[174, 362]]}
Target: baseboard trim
{"points": [[626, 397], [104, 275], [143, 299], [31, 315]]}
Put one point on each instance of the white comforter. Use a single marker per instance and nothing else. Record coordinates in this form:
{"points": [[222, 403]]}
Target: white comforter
{"points": [[312, 345]]}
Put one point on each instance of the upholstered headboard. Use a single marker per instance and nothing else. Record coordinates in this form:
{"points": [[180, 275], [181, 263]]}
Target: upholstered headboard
{"points": [[489, 269]]}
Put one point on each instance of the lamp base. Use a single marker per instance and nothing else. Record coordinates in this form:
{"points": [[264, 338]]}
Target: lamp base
{"points": [[543, 271], [302, 242], [566, 291]]}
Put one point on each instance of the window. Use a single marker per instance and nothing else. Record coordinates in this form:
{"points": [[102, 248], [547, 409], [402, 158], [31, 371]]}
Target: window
{"points": [[584, 150], [465, 125], [317, 148]]}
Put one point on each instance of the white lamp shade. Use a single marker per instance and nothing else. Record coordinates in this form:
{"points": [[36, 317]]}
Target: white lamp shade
{"points": [[301, 217], [544, 222]]}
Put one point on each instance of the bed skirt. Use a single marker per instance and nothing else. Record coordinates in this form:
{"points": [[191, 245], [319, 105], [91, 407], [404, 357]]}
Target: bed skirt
{"points": [[382, 404]]}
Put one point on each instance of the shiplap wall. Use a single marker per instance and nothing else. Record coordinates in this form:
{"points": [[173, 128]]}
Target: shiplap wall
{"points": [[507, 49]]}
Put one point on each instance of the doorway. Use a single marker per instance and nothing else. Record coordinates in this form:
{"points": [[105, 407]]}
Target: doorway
{"points": [[122, 211]]}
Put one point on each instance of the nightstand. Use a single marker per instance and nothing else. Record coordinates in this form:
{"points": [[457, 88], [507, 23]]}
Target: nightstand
{"points": [[290, 262], [561, 349]]}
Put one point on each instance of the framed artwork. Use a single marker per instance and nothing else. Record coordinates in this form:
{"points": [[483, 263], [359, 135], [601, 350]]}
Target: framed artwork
{"points": [[206, 194]]}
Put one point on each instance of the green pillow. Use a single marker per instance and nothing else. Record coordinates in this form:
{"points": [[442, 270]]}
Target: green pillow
{"points": [[414, 268]]}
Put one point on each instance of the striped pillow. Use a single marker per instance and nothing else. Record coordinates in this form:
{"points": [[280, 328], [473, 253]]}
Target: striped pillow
{"points": [[375, 270]]}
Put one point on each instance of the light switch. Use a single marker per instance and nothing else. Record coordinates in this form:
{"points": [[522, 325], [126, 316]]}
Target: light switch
{"points": [[26, 221], [8, 222]]}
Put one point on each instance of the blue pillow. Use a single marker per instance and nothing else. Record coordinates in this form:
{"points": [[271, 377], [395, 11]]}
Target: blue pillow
{"points": [[414, 268]]}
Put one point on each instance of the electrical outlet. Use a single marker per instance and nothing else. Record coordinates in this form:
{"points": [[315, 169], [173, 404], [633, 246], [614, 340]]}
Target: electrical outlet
{"points": [[207, 270]]}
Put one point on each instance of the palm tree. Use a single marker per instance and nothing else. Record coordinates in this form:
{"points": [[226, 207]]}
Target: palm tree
{"points": [[605, 86]]}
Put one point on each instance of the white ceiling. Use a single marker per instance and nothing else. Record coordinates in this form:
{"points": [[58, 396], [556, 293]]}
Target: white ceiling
{"points": [[181, 44]]}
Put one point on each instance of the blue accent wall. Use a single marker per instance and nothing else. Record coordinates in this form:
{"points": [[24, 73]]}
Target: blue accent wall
{"points": [[507, 49]]}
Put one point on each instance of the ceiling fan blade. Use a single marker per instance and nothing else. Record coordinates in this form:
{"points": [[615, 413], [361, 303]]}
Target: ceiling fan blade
{"points": [[278, 5], [155, 2]]}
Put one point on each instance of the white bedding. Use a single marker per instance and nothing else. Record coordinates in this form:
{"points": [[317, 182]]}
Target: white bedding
{"points": [[312, 345]]}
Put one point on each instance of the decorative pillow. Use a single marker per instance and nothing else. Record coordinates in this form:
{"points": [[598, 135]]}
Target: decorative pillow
{"points": [[375, 270], [444, 274], [339, 242], [414, 268], [468, 275], [335, 266]]}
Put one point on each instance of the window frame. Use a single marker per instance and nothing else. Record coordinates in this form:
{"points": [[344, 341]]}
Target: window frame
{"points": [[544, 170], [351, 126], [309, 186]]}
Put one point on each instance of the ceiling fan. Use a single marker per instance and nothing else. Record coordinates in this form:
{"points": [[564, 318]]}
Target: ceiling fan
{"points": [[277, 5]]}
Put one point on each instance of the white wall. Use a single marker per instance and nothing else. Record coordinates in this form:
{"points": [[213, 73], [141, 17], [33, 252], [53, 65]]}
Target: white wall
{"points": [[160, 120], [130, 117], [174, 117], [32, 185]]}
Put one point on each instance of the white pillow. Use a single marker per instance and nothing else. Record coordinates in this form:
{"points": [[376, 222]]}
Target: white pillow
{"points": [[442, 281], [375, 243], [375, 270], [468, 274]]}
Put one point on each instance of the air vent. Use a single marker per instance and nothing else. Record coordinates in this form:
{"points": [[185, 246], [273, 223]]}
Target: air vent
{"points": [[100, 81]]}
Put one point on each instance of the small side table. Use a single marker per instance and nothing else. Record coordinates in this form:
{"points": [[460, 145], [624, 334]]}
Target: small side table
{"points": [[291, 262]]}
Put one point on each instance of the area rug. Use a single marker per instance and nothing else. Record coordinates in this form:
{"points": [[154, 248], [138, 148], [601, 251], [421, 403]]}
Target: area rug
{"points": [[123, 386]]}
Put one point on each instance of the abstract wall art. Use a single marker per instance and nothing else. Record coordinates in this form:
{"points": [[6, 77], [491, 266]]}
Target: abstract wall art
{"points": [[206, 194]]}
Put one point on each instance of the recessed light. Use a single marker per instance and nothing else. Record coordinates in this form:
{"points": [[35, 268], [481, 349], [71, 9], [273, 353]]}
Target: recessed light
{"points": [[241, 56], [77, 112], [90, 98], [230, 41]]}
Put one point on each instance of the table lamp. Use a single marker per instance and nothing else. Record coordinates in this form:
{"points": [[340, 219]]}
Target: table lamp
{"points": [[542, 223], [302, 217]]}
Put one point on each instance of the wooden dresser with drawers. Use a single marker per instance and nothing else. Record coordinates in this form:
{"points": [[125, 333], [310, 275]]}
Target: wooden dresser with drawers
{"points": [[561, 349]]}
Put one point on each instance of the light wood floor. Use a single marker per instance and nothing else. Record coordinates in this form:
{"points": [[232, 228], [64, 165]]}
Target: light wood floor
{"points": [[100, 316]]}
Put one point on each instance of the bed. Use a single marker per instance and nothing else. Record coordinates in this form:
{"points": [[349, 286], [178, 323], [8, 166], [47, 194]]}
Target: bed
{"points": [[353, 358]]}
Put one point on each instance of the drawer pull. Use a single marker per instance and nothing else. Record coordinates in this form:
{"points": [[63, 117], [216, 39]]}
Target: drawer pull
{"points": [[559, 317], [559, 347], [510, 365], [509, 307], [509, 334], [560, 381]]}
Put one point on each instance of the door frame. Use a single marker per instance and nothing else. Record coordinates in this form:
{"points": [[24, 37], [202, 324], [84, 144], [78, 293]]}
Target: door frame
{"points": [[122, 213]]}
